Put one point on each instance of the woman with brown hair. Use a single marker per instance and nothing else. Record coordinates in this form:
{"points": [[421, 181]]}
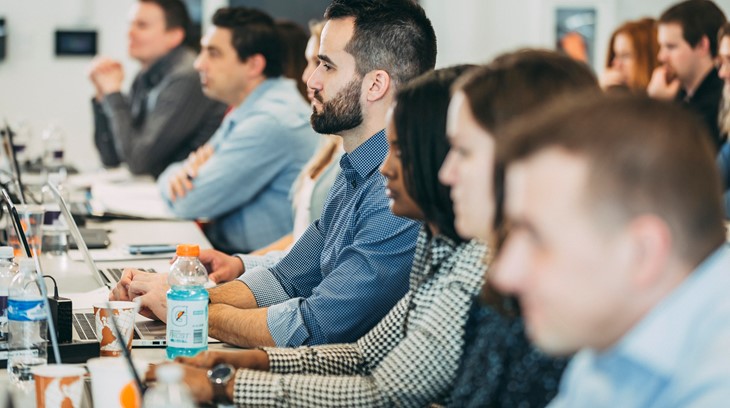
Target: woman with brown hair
{"points": [[499, 367], [632, 56]]}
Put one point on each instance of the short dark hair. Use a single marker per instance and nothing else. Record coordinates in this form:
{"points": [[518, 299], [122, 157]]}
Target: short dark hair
{"points": [[176, 14], [253, 32], [392, 35], [698, 18], [419, 117], [513, 86], [294, 40], [643, 156]]}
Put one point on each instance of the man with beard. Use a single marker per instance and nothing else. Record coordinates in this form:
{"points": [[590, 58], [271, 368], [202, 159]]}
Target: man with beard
{"points": [[687, 35], [165, 116], [352, 265]]}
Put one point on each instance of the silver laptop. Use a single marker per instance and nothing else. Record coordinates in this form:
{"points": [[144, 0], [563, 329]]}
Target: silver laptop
{"points": [[149, 333]]}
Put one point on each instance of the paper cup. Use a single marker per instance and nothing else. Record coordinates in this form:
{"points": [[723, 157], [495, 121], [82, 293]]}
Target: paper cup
{"points": [[59, 386], [124, 314], [112, 384]]}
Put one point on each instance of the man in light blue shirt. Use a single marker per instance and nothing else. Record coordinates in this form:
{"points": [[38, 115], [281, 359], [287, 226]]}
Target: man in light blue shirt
{"points": [[617, 252], [353, 264], [241, 179]]}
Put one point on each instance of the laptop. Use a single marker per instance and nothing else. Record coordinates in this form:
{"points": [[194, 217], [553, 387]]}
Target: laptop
{"points": [[147, 333], [73, 352]]}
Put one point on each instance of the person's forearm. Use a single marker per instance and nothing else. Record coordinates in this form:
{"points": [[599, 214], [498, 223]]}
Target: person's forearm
{"points": [[242, 328], [234, 293]]}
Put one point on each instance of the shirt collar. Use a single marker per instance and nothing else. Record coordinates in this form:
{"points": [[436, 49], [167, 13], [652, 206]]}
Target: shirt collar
{"points": [[159, 69], [711, 80], [239, 112], [657, 340], [441, 247], [366, 158]]}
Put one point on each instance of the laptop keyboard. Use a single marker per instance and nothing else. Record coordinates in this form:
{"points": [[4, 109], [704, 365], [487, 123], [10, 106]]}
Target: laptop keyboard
{"points": [[84, 322], [85, 325]]}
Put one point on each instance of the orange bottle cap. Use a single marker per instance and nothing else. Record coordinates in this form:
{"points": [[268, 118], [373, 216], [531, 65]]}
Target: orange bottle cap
{"points": [[188, 250]]}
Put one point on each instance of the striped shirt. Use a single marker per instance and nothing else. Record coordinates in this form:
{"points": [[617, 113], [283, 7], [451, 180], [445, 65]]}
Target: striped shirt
{"points": [[409, 359]]}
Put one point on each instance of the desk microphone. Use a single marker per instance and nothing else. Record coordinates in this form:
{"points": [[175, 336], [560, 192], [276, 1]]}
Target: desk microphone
{"points": [[13, 158], [13, 212]]}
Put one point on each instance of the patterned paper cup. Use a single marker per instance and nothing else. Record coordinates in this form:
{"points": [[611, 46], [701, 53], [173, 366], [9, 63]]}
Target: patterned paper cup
{"points": [[59, 386], [124, 314], [112, 383]]}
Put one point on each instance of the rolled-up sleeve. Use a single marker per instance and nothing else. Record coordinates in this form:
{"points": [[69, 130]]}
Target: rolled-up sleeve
{"points": [[266, 260], [371, 275], [265, 287]]}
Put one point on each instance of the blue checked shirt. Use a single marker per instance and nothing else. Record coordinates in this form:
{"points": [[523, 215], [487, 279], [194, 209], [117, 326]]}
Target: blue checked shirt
{"points": [[348, 269]]}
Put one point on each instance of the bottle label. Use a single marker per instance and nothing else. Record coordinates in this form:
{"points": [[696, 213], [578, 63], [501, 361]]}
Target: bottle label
{"points": [[187, 323], [26, 310]]}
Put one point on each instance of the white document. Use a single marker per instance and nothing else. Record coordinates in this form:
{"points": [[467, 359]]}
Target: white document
{"points": [[86, 300], [88, 179], [135, 198]]}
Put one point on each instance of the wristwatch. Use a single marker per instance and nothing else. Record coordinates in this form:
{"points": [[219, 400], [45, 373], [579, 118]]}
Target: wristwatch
{"points": [[219, 376]]}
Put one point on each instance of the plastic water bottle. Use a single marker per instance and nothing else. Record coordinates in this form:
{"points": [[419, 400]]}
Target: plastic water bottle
{"points": [[26, 322], [170, 391], [8, 269], [187, 304], [22, 141], [53, 148], [55, 227]]}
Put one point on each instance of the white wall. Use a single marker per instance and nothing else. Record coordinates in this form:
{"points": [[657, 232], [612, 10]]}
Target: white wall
{"points": [[476, 31], [41, 88]]}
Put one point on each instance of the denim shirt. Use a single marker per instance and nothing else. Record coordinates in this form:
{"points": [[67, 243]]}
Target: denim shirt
{"points": [[348, 269], [259, 150]]}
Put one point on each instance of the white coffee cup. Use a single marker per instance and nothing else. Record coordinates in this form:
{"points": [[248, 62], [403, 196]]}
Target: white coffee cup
{"points": [[112, 383]]}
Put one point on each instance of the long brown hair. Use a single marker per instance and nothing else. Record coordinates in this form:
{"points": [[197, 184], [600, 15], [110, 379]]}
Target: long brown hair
{"points": [[643, 36], [512, 88]]}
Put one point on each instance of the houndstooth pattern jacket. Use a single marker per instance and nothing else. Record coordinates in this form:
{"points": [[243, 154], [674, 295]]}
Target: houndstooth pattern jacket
{"points": [[409, 359]]}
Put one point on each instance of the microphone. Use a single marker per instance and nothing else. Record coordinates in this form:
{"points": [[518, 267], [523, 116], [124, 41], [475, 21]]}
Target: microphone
{"points": [[82, 246], [39, 276], [13, 158]]}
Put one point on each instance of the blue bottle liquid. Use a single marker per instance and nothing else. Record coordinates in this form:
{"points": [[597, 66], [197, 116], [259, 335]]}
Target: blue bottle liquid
{"points": [[187, 304]]}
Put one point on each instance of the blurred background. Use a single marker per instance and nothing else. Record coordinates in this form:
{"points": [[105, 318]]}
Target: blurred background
{"points": [[42, 88]]}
